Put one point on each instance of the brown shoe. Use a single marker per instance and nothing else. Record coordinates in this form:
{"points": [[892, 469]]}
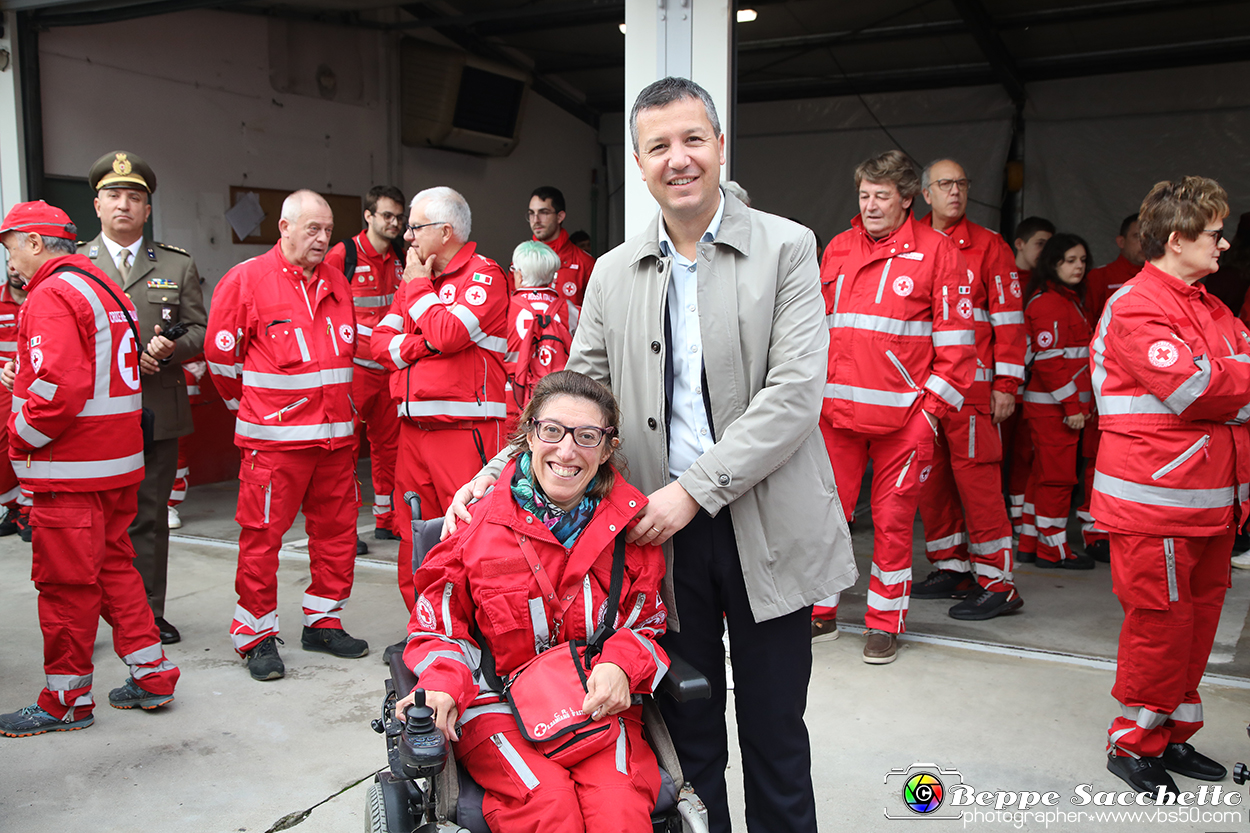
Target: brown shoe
{"points": [[880, 647], [824, 630]]}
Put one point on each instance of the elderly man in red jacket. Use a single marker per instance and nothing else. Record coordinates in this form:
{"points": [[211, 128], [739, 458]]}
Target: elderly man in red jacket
{"points": [[281, 337], [76, 443], [1171, 374]]}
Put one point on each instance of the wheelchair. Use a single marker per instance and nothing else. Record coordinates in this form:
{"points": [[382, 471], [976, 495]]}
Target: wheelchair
{"points": [[422, 790]]}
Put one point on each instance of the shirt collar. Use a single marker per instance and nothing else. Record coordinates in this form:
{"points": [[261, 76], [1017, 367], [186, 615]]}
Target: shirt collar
{"points": [[115, 249], [666, 243]]}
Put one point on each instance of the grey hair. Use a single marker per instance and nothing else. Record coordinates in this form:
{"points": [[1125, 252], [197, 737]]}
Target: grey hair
{"points": [[536, 262], [665, 92], [926, 180], [446, 205], [293, 205], [738, 191], [59, 245]]}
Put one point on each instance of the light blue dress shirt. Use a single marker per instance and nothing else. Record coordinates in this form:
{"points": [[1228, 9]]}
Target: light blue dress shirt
{"points": [[689, 432]]}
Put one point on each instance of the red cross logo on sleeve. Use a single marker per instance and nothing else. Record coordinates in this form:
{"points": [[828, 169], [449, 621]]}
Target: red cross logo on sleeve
{"points": [[1163, 353]]}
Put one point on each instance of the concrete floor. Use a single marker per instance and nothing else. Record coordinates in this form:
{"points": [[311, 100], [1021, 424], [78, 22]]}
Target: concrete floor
{"points": [[1019, 703]]}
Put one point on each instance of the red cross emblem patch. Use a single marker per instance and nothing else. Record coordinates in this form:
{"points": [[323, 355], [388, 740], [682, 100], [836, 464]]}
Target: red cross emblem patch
{"points": [[1163, 353]]}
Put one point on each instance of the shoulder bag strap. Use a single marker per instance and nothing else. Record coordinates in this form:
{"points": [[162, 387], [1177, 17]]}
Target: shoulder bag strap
{"points": [[129, 320]]}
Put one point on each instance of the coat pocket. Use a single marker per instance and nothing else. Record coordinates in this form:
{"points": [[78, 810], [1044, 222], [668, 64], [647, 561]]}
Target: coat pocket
{"points": [[70, 545], [288, 344], [255, 494]]}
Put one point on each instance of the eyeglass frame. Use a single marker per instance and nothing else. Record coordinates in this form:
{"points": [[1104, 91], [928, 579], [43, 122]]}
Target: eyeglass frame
{"points": [[1217, 234], [538, 423], [414, 229], [946, 188]]}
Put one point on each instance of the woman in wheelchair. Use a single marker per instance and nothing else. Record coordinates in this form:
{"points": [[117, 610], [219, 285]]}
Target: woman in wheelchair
{"points": [[531, 573]]}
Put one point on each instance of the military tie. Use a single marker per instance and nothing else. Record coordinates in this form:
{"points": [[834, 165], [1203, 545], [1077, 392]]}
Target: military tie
{"points": [[124, 268]]}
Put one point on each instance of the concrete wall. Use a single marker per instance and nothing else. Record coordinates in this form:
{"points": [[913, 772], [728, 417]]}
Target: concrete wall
{"points": [[191, 93]]}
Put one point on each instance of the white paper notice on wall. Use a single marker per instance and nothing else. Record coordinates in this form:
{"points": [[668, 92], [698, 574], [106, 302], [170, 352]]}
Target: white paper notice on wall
{"points": [[246, 215]]}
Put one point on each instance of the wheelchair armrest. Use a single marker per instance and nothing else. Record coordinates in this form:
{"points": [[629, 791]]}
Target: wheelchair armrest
{"points": [[684, 682], [401, 675]]}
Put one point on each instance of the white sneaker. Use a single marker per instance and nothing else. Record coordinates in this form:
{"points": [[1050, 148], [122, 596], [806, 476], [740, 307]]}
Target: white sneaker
{"points": [[175, 522], [1242, 562]]}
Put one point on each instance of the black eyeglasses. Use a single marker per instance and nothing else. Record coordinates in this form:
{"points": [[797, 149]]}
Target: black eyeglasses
{"points": [[1217, 234], [587, 436], [420, 226], [945, 185], [387, 216]]}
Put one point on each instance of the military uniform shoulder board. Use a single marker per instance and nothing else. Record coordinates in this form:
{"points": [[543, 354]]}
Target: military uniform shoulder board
{"points": [[174, 249], [151, 254], [94, 252]]}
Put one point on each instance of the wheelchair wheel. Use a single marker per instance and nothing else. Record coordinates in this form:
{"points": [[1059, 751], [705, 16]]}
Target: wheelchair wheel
{"points": [[387, 808], [375, 810]]}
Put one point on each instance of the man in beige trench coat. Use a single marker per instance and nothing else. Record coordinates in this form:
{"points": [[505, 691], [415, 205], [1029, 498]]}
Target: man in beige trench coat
{"points": [[710, 329]]}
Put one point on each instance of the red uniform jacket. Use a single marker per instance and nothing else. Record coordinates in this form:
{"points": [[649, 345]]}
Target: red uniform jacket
{"points": [[575, 268], [373, 287], [76, 401], [447, 338], [1059, 337], [900, 327], [9, 307], [1171, 369], [479, 578], [997, 312], [1103, 282], [526, 302], [280, 351]]}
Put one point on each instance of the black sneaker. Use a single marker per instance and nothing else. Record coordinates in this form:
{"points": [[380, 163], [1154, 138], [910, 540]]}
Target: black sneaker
{"points": [[1100, 551], [9, 525], [24, 530], [986, 605], [1078, 562], [944, 584], [333, 641], [384, 535], [33, 720], [131, 696], [361, 547], [1025, 557], [263, 662]]}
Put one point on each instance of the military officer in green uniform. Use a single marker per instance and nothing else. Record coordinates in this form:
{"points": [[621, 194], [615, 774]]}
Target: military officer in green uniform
{"points": [[163, 284]]}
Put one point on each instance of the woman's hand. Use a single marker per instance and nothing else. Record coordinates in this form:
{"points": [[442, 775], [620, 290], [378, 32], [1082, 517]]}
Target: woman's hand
{"points": [[607, 691], [459, 510], [1076, 421], [445, 712]]}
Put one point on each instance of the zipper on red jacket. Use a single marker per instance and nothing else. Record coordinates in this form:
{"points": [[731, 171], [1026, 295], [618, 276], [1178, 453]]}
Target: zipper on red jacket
{"points": [[330, 332], [946, 306], [1200, 445], [898, 365], [998, 282], [902, 474]]}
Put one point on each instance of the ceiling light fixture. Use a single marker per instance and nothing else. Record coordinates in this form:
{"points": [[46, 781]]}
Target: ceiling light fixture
{"points": [[747, 15]]}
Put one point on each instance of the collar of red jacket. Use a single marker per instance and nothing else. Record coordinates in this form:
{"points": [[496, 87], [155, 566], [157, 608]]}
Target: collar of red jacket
{"points": [[559, 244], [612, 514], [458, 261], [320, 272], [960, 234], [1174, 283], [903, 237], [366, 246], [56, 264]]}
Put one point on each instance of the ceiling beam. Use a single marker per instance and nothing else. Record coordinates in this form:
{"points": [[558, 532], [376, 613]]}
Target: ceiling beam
{"points": [[992, 46], [131, 11], [1100, 11], [527, 18]]}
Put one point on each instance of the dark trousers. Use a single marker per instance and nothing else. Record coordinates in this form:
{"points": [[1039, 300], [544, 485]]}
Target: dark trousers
{"points": [[772, 665], [149, 533]]}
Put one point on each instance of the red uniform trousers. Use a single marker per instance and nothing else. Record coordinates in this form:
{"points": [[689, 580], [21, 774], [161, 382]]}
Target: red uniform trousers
{"points": [[1018, 454], [1089, 450], [273, 487], [435, 462], [899, 460], [83, 568], [178, 493], [1048, 496], [612, 791], [1171, 590], [372, 394], [967, 468]]}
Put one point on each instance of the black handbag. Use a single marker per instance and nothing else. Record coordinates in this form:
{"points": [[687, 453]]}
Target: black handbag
{"points": [[147, 419]]}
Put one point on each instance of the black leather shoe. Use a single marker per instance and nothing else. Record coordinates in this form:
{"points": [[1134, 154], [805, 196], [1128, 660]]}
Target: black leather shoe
{"points": [[169, 634], [1145, 775], [333, 641], [384, 534], [1183, 759], [361, 547], [1100, 551]]}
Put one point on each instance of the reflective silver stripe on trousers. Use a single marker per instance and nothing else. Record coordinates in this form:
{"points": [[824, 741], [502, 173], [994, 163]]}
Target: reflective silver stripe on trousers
{"points": [[870, 396], [297, 381], [989, 547], [514, 759], [990, 572], [947, 542], [148, 655], [1043, 520], [67, 682], [77, 469], [1188, 713], [892, 577], [294, 433], [878, 602], [972, 437], [1144, 717], [954, 565], [451, 408], [1169, 558], [1163, 496], [879, 324]]}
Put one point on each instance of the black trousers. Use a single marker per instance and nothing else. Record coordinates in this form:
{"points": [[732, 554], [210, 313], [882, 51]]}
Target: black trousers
{"points": [[772, 665]]}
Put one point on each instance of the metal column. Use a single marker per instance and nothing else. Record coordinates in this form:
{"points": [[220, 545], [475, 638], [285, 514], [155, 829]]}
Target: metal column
{"points": [[12, 167]]}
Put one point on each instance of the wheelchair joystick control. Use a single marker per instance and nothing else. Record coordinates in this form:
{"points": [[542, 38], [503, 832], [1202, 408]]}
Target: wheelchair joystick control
{"points": [[422, 747]]}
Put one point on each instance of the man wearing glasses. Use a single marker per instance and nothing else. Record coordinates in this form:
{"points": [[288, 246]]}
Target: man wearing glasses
{"points": [[444, 339], [373, 265], [546, 219], [970, 546]]}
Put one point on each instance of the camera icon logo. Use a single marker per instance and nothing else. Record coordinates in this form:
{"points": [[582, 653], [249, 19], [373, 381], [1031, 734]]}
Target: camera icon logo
{"points": [[920, 792]]}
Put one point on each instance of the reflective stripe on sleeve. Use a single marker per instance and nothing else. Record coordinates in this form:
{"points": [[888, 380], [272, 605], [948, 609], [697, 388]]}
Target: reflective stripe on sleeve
{"points": [[1015, 371], [393, 321], [393, 348], [367, 363], [419, 308], [33, 437], [998, 319], [227, 371], [952, 338], [944, 389], [43, 389]]}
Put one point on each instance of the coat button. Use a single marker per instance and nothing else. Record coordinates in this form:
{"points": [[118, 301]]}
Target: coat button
{"points": [[611, 527], [632, 504], [723, 480], [655, 347], [529, 519], [651, 423]]}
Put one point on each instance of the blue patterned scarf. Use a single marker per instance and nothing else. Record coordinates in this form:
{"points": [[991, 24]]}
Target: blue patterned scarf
{"points": [[564, 525]]}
